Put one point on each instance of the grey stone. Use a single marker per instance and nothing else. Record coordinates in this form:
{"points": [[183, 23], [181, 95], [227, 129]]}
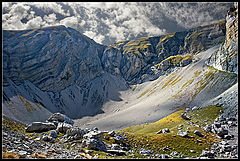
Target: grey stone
{"points": [[165, 130], [111, 133], [198, 140], [182, 134], [46, 138], [61, 118], [192, 151], [53, 133], [194, 108], [221, 132], [198, 133], [40, 127], [22, 154], [185, 116], [63, 127], [115, 147], [208, 154], [75, 131], [93, 140]]}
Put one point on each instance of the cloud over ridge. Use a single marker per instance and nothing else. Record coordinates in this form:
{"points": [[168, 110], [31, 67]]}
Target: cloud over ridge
{"points": [[106, 22]]}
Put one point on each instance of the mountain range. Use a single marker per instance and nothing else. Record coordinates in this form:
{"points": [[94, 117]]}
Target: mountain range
{"points": [[58, 69]]}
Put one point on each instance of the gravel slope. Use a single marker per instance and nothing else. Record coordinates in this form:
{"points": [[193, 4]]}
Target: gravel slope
{"points": [[133, 110]]}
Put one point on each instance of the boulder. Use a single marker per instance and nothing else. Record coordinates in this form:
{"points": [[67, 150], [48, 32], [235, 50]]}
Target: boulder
{"points": [[182, 134], [209, 154], [194, 108], [46, 138], [111, 133], [40, 127], [60, 118], [93, 141], [53, 133], [119, 139], [166, 130], [63, 127], [185, 116], [22, 154], [198, 133], [221, 132], [145, 152], [75, 130], [115, 147]]}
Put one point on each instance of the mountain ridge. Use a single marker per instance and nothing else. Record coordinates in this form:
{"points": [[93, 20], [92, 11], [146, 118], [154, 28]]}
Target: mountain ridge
{"points": [[78, 62]]}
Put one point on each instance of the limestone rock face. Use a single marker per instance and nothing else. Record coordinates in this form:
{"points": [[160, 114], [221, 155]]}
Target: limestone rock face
{"points": [[226, 58], [146, 58], [59, 69], [51, 58]]}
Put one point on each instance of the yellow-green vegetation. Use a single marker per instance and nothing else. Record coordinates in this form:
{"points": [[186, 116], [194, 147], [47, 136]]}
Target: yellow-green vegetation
{"points": [[194, 35], [197, 73], [38, 105], [175, 60], [134, 46], [144, 135], [143, 93], [116, 45], [172, 81], [200, 81], [39, 32], [30, 32], [166, 37], [13, 125], [29, 106]]}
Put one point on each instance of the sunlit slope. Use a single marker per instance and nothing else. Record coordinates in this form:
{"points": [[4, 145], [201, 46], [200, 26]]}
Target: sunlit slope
{"points": [[188, 86]]}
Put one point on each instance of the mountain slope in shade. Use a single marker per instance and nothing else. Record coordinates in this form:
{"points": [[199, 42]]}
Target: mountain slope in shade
{"points": [[61, 69]]}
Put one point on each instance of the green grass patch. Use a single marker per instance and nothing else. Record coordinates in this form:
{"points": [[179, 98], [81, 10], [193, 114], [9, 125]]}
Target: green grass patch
{"points": [[144, 135]]}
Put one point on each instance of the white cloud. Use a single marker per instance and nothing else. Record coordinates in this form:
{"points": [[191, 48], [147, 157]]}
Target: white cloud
{"points": [[109, 21], [36, 22], [70, 22], [50, 19]]}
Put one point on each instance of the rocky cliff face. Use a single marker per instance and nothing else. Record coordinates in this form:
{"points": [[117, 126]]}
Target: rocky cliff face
{"points": [[226, 58], [149, 57], [61, 70], [56, 68]]}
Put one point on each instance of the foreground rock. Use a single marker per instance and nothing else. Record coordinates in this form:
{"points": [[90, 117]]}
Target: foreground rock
{"points": [[93, 140], [40, 127]]}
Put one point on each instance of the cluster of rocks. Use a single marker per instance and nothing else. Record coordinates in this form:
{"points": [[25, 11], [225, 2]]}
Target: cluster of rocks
{"points": [[57, 137], [226, 58], [226, 130]]}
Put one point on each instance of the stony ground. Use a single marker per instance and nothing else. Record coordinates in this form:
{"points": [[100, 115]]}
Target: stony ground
{"points": [[74, 142]]}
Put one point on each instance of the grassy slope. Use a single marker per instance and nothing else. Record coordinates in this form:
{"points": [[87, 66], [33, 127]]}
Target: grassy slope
{"points": [[144, 135]]}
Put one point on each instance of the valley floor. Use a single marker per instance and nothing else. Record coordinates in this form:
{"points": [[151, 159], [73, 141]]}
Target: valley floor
{"points": [[153, 100]]}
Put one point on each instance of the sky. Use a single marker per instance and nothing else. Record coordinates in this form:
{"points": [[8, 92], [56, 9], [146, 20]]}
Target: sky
{"points": [[108, 22]]}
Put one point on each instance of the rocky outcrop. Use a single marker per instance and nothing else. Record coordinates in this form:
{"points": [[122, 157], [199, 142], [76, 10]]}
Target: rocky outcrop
{"points": [[60, 70], [40, 127], [57, 69], [226, 58], [60, 118], [149, 57]]}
